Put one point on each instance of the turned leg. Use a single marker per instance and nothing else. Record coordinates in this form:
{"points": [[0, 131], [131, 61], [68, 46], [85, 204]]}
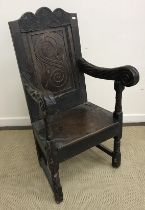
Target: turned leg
{"points": [[117, 116], [116, 158]]}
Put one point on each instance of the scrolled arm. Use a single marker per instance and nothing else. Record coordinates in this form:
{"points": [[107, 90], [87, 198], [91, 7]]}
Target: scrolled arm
{"points": [[127, 75], [46, 102]]}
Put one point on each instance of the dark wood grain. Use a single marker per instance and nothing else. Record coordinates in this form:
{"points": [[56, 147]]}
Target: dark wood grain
{"points": [[127, 75], [64, 123]]}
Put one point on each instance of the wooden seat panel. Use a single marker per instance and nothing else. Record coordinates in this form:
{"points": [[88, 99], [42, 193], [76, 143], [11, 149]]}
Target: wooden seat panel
{"points": [[77, 123], [82, 121]]}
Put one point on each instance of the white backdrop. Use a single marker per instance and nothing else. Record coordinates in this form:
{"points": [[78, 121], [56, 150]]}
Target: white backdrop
{"points": [[112, 34]]}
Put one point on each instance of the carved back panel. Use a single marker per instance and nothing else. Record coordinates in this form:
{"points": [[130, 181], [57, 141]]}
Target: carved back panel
{"points": [[51, 59], [47, 47]]}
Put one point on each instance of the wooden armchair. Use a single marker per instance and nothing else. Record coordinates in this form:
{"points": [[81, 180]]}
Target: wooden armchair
{"points": [[52, 70]]}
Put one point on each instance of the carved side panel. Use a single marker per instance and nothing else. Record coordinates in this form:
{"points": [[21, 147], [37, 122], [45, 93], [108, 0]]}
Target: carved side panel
{"points": [[51, 60]]}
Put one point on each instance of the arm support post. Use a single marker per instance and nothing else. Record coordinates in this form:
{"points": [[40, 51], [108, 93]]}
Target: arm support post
{"points": [[118, 104]]}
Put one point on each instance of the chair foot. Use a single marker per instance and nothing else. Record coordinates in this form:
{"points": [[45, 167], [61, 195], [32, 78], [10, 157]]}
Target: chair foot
{"points": [[51, 170], [116, 158], [58, 196], [56, 187], [53, 180]]}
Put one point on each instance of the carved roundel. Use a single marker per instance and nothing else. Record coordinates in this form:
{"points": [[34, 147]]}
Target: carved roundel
{"points": [[58, 78], [48, 47], [50, 54]]}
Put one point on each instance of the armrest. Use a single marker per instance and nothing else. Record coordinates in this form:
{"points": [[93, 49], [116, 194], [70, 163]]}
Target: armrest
{"points": [[46, 101], [127, 75]]}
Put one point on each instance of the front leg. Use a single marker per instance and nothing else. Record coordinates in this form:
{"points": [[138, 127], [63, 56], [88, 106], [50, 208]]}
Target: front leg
{"points": [[116, 158], [50, 166], [53, 168], [117, 115]]}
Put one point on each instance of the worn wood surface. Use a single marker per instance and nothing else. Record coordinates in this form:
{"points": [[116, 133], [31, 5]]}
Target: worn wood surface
{"points": [[48, 52]]}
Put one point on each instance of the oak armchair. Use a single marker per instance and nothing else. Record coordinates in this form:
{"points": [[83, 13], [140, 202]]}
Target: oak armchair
{"points": [[52, 70]]}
